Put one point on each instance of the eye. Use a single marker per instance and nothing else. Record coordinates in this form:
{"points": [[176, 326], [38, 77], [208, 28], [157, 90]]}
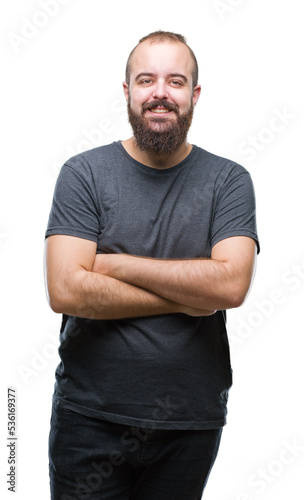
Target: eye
{"points": [[176, 83], [146, 81]]}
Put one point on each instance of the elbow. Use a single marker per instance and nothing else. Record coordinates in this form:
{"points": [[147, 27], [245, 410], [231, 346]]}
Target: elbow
{"points": [[56, 307], [64, 300], [56, 304], [234, 290], [237, 296], [235, 301], [58, 300]]}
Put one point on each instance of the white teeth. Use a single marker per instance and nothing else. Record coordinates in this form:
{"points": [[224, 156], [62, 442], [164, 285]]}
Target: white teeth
{"points": [[159, 111]]}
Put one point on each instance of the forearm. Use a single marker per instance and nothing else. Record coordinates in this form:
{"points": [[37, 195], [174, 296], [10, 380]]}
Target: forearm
{"points": [[95, 296], [74, 287], [199, 283]]}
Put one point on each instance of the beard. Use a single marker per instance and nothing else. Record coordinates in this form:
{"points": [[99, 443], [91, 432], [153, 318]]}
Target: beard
{"points": [[165, 138]]}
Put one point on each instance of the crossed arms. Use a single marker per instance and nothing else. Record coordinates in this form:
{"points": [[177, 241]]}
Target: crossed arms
{"points": [[113, 286]]}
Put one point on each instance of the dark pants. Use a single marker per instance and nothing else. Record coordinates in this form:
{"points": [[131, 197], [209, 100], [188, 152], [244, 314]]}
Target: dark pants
{"points": [[98, 460]]}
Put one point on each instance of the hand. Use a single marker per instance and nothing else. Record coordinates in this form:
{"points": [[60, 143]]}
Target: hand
{"points": [[191, 311], [104, 263]]}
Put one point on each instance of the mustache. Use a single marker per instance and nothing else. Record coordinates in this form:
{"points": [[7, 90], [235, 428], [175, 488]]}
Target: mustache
{"points": [[164, 104]]}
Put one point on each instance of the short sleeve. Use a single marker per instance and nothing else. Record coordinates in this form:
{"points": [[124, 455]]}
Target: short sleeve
{"points": [[74, 210], [235, 208]]}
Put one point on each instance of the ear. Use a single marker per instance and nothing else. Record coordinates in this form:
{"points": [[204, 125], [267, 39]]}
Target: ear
{"points": [[126, 90], [196, 93]]}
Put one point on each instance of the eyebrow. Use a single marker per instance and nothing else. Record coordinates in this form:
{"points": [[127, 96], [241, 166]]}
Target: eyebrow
{"points": [[171, 75], [179, 75]]}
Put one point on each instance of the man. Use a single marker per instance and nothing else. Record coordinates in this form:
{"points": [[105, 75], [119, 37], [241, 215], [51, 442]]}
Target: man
{"points": [[149, 241]]}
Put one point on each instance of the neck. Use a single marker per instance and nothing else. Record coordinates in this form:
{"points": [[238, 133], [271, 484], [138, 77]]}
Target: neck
{"points": [[154, 161]]}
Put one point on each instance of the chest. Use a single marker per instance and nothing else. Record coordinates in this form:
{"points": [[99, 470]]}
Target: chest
{"points": [[157, 217]]}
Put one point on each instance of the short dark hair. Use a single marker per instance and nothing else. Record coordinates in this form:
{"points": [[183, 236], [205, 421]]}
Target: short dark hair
{"points": [[163, 36]]}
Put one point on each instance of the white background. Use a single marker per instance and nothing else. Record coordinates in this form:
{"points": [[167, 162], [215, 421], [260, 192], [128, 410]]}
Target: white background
{"points": [[61, 93]]}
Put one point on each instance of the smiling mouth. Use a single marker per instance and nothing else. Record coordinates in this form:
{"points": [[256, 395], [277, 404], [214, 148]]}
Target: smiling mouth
{"points": [[160, 108], [160, 111]]}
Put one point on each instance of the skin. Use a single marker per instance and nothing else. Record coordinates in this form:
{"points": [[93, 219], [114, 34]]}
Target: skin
{"points": [[152, 69], [111, 286]]}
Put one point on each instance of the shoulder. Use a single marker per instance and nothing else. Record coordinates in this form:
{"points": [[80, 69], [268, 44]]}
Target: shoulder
{"points": [[94, 160], [218, 165]]}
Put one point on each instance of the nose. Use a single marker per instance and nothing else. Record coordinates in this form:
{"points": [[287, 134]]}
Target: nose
{"points": [[160, 90]]}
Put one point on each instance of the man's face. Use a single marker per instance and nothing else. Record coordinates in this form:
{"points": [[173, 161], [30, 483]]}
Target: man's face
{"points": [[160, 96]]}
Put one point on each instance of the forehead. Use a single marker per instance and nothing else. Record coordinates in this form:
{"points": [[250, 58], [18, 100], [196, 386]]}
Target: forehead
{"points": [[161, 58]]}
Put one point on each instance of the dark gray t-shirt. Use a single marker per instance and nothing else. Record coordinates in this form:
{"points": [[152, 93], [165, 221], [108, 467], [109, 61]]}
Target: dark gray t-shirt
{"points": [[170, 371]]}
